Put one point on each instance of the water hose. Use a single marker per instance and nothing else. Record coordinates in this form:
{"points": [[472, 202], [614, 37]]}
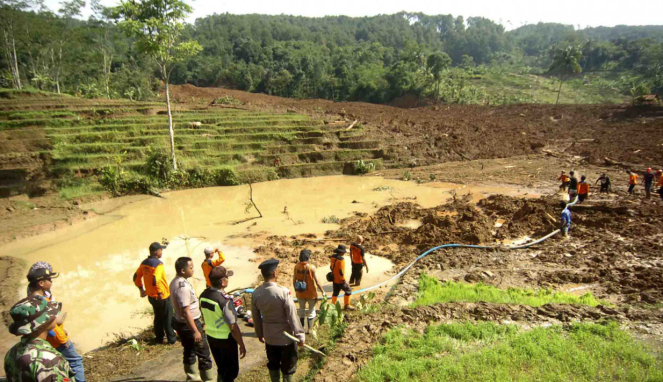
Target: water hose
{"points": [[428, 252]]}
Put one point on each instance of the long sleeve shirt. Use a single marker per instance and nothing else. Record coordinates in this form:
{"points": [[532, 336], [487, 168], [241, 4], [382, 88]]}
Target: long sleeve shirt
{"points": [[152, 275], [274, 312]]}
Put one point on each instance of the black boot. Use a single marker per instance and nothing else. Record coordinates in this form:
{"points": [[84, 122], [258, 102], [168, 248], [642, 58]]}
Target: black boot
{"points": [[302, 322]]}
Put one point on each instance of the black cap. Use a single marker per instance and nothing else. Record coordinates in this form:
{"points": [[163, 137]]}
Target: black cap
{"points": [[156, 246], [341, 249], [268, 266], [38, 274]]}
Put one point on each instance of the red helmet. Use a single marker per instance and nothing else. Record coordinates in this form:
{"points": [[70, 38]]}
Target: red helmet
{"points": [[649, 169], [659, 171]]}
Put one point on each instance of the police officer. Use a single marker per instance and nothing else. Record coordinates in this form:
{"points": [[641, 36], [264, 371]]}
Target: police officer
{"points": [[33, 359], [274, 312], [223, 334]]}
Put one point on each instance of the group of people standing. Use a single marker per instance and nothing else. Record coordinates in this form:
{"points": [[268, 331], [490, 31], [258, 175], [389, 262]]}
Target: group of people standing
{"points": [[581, 188]]}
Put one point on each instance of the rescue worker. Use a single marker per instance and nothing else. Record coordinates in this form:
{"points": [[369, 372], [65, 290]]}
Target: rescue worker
{"points": [[210, 264], [632, 181], [339, 283], [583, 189], [274, 312], [222, 329], [40, 279], [573, 186], [605, 183], [659, 184], [566, 219], [186, 322], [33, 359], [658, 175], [358, 261], [565, 181], [277, 162], [305, 283], [648, 181], [151, 273]]}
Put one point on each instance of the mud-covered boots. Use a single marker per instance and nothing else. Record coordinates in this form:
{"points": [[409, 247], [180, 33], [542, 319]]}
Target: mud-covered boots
{"points": [[191, 372], [208, 375], [275, 375]]}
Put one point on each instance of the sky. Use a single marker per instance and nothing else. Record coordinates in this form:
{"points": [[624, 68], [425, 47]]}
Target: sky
{"points": [[510, 13]]}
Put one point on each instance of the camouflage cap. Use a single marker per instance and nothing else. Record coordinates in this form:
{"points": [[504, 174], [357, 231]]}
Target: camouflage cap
{"points": [[32, 314]]}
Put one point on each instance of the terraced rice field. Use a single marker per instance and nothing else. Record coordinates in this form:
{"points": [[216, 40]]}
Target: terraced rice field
{"points": [[48, 138]]}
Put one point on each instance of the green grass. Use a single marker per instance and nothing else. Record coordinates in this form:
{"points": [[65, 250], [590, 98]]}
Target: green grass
{"points": [[432, 291], [80, 187], [492, 352]]}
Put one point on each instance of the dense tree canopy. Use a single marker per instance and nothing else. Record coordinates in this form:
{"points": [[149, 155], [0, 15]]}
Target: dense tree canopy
{"points": [[373, 59]]}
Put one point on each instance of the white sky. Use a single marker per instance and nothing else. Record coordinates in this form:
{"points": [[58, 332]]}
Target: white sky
{"points": [[511, 13]]}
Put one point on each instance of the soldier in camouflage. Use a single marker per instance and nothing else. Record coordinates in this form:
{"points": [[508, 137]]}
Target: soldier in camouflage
{"points": [[33, 359]]}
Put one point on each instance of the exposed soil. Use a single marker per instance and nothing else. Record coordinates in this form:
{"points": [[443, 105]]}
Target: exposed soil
{"points": [[436, 134]]}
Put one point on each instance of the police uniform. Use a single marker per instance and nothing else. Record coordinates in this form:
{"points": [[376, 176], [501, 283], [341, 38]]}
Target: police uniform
{"points": [[219, 313], [274, 312]]}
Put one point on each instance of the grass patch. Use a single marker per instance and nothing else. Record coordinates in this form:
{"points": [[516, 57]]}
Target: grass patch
{"points": [[432, 291], [75, 188], [492, 352]]}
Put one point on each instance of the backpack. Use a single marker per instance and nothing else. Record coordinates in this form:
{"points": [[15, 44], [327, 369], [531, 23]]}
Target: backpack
{"points": [[330, 275], [300, 285]]}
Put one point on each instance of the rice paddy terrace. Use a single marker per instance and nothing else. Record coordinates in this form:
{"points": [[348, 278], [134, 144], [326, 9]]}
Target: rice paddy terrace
{"points": [[46, 138]]}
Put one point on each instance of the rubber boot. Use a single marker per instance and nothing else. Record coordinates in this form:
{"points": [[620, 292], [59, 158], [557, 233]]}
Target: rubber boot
{"points": [[310, 323], [301, 320], [191, 372], [275, 375], [287, 378], [208, 375]]}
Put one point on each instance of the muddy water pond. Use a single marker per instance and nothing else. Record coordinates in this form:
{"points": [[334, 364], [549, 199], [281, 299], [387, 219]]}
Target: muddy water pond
{"points": [[97, 258]]}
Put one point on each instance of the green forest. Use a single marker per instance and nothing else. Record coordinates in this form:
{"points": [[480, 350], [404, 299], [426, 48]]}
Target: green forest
{"points": [[374, 59]]}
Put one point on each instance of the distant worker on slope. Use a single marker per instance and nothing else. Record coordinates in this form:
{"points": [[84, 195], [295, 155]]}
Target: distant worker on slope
{"points": [[306, 286], [152, 275], [566, 219], [565, 181], [573, 186], [40, 278], [583, 189], [648, 181], [632, 181], [210, 264], [659, 184], [605, 183], [358, 259]]}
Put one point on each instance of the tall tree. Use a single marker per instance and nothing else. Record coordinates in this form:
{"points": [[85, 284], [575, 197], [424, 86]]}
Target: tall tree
{"points": [[10, 12], [565, 61], [157, 26], [69, 9], [104, 41], [436, 64]]}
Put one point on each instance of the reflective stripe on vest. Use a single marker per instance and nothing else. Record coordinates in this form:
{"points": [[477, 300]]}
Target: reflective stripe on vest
{"points": [[215, 325]]}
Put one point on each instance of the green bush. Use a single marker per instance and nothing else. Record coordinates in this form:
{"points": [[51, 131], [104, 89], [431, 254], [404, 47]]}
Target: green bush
{"points": [[361, 167], [407, 176]]}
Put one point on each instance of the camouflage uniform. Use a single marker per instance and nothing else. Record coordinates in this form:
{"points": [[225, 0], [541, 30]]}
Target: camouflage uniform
{"points": [[34, 359]]}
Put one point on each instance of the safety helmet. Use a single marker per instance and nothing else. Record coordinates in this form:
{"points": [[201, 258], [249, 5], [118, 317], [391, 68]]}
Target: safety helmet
{"points": [[649, 169]]}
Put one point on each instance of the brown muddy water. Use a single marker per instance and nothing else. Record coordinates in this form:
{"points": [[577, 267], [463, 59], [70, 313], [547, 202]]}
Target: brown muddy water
{"points": [[97, 258]]}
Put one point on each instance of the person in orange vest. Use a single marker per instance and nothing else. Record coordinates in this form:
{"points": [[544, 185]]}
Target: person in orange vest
{"points": [[306, 286], [583, 189], [357, 253], [338, 271], [632, 181], [659, 183], [152, 275], [210, 264], [648, 181], [565, 181], [40, 279]]}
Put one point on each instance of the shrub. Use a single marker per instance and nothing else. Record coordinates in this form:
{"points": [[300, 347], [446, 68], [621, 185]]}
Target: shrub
{"points": [[227, 100], [361, 167], [407, 176], [331, 219]]}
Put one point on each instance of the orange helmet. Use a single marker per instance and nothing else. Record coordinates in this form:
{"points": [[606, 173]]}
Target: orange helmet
{"points": [[649, 169]]}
